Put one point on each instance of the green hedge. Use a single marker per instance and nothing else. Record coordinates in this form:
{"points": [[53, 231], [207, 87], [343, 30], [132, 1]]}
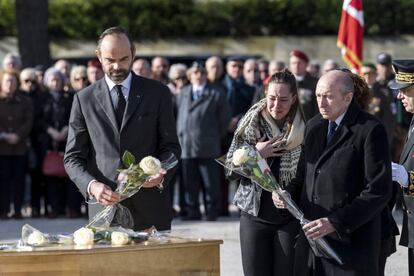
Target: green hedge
{"points": [[7, 18], [153, 19]]}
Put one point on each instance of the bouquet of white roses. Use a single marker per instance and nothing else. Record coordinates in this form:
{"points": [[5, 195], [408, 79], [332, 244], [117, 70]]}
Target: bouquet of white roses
{"points": [[130, 181], [246, 161]]}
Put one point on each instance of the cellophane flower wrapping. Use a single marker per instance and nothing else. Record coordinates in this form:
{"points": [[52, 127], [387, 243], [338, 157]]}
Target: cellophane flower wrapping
{"points": [[247, 162], [33, 237], [130, 181]]}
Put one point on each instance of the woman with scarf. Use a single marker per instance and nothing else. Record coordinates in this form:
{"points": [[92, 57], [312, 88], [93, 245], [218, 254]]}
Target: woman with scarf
{"points": [[275, 126]]}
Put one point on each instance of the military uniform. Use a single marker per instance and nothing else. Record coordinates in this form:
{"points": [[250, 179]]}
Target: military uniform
{"points": [[384, 109], [404, 78]]}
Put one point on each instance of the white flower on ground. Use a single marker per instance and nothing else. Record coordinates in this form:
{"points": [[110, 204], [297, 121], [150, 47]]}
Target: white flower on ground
{"points": [[240, 156], [36, 238], [150, 165], [119, 238], [83, 236]]}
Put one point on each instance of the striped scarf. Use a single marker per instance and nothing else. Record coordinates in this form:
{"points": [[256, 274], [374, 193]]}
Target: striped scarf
{"points": [[257, 121]]}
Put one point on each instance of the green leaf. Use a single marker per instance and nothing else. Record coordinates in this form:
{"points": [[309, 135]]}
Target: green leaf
{"points": [[102, 235], [128, 159]]}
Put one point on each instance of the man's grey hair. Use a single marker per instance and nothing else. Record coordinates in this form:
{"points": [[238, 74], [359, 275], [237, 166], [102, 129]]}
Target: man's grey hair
{"points": [[342, 80], [346, 84], [176, 69], [16, 60]]}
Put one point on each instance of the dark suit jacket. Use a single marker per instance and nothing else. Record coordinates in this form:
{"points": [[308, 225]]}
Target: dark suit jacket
{"points": [[95, 145], [202, 123], [16, 117], [407, 160], [350, 183], [307, 97], [239, 95]]}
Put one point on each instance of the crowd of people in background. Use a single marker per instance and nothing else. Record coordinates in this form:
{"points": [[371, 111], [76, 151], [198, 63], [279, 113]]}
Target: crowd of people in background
{"points": [[210, 97]]}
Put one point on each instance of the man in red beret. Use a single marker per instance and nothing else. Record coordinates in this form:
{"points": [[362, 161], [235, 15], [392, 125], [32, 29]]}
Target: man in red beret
{"points": [[306, 83], [94, 70]]}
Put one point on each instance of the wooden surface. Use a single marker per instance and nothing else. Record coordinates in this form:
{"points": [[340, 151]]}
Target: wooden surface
{"points": [[174, 257]]}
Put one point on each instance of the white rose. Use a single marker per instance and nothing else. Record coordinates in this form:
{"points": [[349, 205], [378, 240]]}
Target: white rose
{"points": [[240, 156], [36, 238], [83, 236], [119, 238], [150, 165]]}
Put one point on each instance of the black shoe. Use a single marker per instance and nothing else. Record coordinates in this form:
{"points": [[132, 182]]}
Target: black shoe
{"points": [[224, 213], [211, 218], [35, 213], [73, 214], [3, 216], [17, 216], [182, 213], [52, 215], [191, 218]]}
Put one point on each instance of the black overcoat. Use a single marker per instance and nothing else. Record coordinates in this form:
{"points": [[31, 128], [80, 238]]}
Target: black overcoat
{"points": [[349, 182]]}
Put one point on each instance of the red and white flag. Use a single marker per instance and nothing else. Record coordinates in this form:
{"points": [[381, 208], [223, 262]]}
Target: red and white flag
{"points": [[351, 33]]}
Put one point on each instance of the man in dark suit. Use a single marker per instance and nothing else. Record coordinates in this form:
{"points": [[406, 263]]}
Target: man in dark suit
{"points": [[121, 112], [343, 182], [404, 173], [203, 116]]}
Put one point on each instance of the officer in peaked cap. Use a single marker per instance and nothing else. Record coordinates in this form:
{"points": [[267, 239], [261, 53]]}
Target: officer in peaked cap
{"points": [[404, 173], [404, 74]]}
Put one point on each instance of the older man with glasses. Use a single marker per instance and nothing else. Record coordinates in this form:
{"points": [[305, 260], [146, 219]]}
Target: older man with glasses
{"points": [[404, 173]]}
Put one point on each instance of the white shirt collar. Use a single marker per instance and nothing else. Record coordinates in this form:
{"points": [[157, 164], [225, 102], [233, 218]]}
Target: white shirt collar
{"points": [[126, 83], [300, 78], [340, 118], [199, 87]]}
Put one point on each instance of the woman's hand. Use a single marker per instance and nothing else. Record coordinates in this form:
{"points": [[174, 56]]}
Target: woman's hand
{"points": [[271, 148], [278, 201], [53, 133]]}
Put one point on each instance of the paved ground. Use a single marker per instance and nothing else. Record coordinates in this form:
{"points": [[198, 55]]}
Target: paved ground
{"points": [[225, 229]]}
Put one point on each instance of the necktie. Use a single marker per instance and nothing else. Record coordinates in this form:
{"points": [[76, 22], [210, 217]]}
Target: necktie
{"points": [[120, 106], [331, 131]]}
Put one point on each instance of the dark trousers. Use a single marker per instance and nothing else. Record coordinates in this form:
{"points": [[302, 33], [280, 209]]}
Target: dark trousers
{"points": [[178, 180], [201, 172], [267, 249], [388, 246], [63, 193], [411, 261], [12, 179], [38, 189]]}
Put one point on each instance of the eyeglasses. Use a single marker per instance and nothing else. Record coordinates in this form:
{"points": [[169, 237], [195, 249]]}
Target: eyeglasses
{"points": [[29, 80], [81, 78]]}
